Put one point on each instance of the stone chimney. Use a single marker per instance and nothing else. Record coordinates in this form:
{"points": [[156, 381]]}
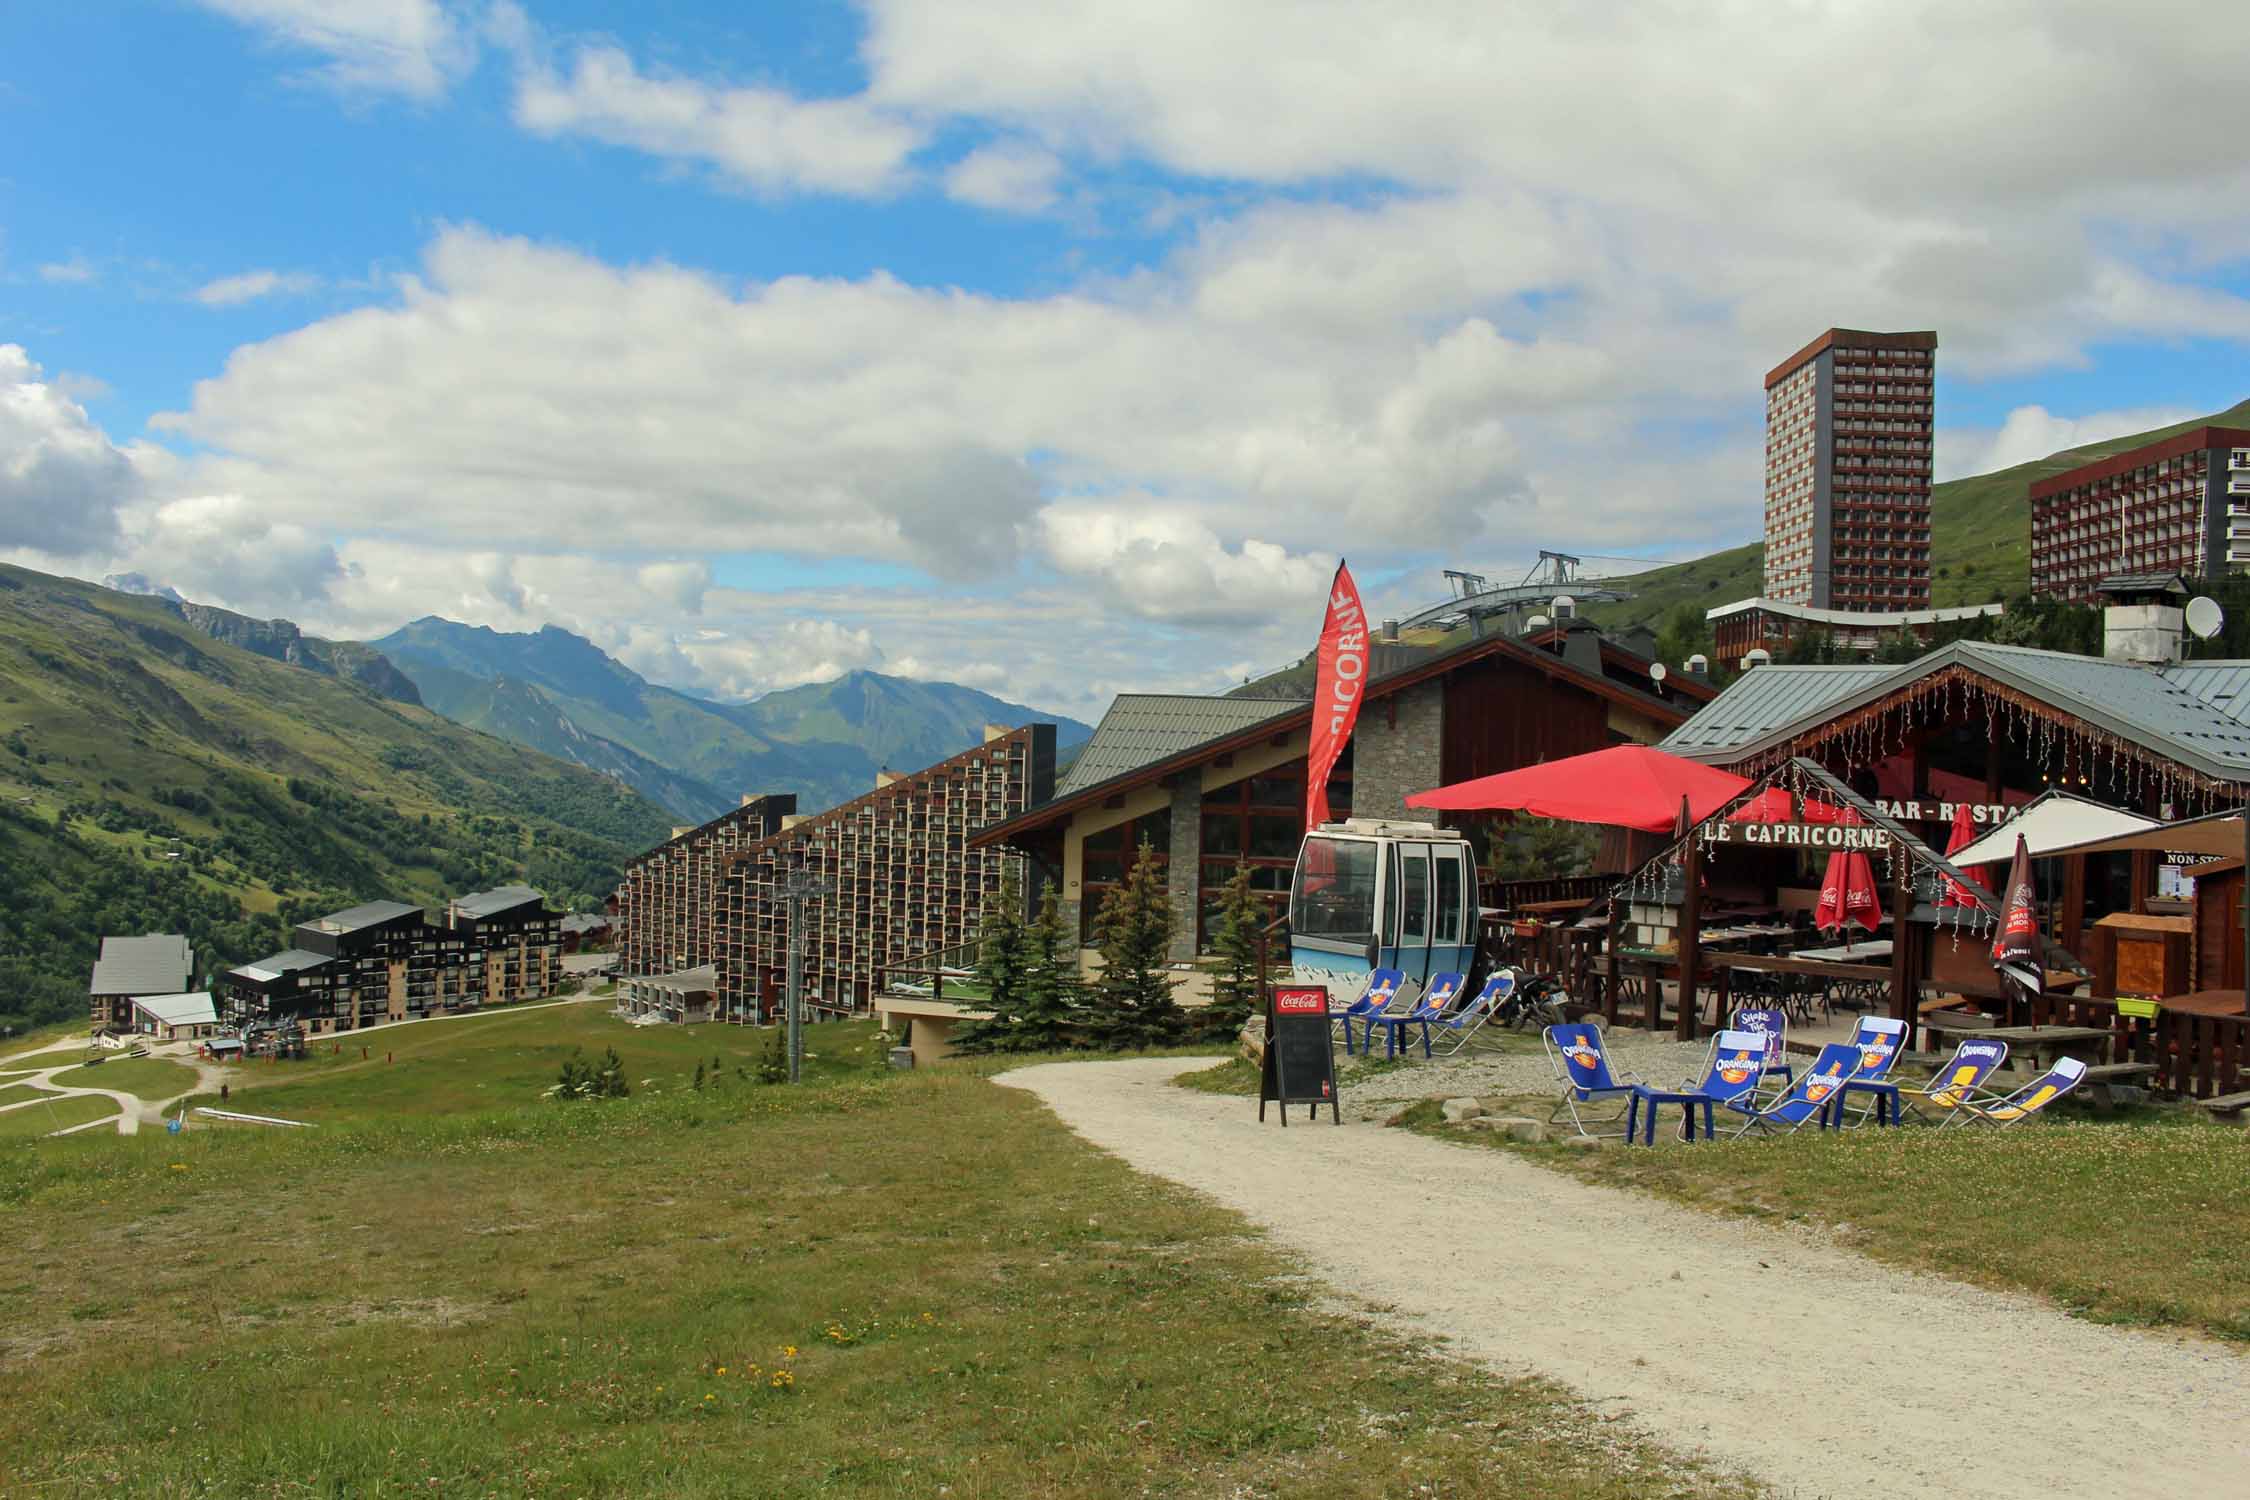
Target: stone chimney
{"points": [[2144, 617]]}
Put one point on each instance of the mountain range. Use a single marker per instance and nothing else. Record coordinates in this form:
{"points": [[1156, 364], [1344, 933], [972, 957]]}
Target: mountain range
{"points": [[559, 693]]}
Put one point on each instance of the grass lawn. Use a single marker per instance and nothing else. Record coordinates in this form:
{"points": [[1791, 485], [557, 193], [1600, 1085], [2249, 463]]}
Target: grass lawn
{"points": [[12, 1047], [508, 1057], [150, 1078], [16, 1093], [2118, 1221], [892, 1285], [38, 1119]]}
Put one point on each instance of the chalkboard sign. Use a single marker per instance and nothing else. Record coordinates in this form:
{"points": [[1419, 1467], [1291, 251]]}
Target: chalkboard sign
{"points": [[1300, 1063]]}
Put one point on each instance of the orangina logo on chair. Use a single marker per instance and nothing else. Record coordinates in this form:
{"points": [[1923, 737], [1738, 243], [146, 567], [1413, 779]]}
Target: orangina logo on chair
{"points": [[1736, 1068], [1821, 1085], [1579, 1055]]}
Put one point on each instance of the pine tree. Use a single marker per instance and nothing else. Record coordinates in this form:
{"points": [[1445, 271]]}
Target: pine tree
{"points": [[1238, 988], [773, 1063], [1052, 995], [1133, 1005], [1001, 961]]}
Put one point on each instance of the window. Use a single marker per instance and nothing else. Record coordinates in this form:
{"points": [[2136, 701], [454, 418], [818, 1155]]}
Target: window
{"points": [[1109, 854], [1338, 898], [1259, 820]]}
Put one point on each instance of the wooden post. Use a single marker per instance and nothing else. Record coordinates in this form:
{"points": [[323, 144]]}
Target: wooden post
{"points": [[1903, 989], [1616, 928], [1691, 926]]}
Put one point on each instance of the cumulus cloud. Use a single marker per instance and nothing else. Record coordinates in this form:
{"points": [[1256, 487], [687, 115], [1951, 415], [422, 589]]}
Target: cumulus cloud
{"points": [[219, 549], [1161, 562], [412, 47], [763, 138], [1012, 176], [2031, 432], [61, 479], [249, 286]]}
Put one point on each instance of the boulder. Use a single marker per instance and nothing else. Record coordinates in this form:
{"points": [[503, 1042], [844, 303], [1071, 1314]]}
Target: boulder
{"points": [[1519, 1128], [1589, 1142], [1456, 1111]]}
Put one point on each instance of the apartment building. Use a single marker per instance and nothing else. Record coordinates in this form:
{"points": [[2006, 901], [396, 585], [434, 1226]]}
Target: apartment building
{"points": [[898, 882], [2178, 505], [387, 961], [1848, 420]]}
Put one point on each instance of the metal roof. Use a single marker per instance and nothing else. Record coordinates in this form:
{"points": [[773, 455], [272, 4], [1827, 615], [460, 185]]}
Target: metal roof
{"points": [[695, 981], [2225, 685], [180, 1010], [287, 961], [1142, 728], [587, 921], [155, 964], [1763, 700], [2144, 705], [491, 903], [368, 914]]}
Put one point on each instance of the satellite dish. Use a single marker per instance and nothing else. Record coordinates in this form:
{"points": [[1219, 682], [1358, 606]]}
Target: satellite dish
{"points": [[1657, 671], [1756, 658], [2204, 617]]}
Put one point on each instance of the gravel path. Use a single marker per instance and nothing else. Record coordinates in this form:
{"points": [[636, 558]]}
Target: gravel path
{"points": [[1374, 1093], [1966, 1392]]}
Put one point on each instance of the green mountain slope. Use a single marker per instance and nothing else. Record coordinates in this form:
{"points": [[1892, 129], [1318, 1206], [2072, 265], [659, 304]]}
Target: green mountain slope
{"points": [[559, 693], [153, 778]]}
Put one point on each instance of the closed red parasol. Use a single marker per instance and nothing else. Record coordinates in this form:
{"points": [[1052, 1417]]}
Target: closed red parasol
{"points": [[1847, 889], [1625, 786], [1964, 834], [2016, 951]]}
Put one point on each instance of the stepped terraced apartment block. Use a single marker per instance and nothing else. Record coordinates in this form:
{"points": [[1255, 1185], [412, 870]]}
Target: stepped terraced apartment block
{"points": [[1848, 472], [702, 929], [388, 961], [2179, 505]]}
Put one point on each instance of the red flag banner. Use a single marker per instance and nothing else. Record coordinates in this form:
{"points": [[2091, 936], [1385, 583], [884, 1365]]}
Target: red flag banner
{"points": [[1337, 690]]}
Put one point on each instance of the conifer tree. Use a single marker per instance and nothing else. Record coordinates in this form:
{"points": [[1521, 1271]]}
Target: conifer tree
{"points": [[1053, 998], [1001, 962], [1237, 989], [1133, 1004]]}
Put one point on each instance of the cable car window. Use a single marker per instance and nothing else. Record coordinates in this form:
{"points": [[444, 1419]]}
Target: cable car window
{"points": [[1448, 897], [1335, 890], [1414, 900]]}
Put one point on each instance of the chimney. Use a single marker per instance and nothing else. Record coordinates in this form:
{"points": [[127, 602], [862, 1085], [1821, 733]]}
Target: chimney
{"points": [[2146, 634], [1582, 644], [1390, 631], [1699, 665]]}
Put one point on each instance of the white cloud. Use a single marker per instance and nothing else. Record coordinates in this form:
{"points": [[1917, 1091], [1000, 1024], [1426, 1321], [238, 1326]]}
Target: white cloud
{"points": [[1160, 562], [219, 549], [764, 138], [249, 286], [2030, 432], [61, 479], [1011, 176], [75, 271], [412, 47]]}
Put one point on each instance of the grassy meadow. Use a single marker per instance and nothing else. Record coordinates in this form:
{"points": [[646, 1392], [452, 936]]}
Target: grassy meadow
{"points": [[151, 1078], [878, 1284], [55, 1113]]}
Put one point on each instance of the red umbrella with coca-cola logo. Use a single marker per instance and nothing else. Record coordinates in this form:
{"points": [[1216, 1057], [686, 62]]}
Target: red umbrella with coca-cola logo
{"points": [[1847, 890], [2016, 951]]}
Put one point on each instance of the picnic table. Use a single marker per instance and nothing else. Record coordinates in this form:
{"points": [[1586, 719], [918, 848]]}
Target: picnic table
{"points": [[2205, 1003], [2045, 1043], [1849, 953]]}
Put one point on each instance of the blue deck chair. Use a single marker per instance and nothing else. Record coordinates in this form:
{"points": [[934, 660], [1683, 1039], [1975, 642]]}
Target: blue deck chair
{"points": [[1383, 986], [1462, 1026], [1805, 1096], [1442, 991], [1944, 1100], [1878, 1039], [2065, 1075], [1731, 1070], [1773, 1023], [1582, 1069]]}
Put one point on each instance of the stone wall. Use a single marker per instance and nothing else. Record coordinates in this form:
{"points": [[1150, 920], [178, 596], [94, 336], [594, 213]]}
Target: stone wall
{"points": [[1186, 859], [1392, 759]]}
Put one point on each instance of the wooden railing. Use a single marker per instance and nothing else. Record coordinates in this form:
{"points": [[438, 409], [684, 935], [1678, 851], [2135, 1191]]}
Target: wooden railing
{"points": [[2200, 1056], [1508, 895]]}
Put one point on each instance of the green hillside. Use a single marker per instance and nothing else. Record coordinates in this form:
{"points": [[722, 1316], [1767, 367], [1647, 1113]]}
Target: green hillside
{"points": [[153, 778], [559, 693]]}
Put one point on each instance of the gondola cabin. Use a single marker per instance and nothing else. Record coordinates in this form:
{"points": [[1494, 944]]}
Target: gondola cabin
{"points": [[1370, 894]]}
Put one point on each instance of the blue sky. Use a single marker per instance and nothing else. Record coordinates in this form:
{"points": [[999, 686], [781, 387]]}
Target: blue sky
{"points": [[1056, 348]]}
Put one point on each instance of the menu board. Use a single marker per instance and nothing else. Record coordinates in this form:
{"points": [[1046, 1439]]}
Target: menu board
{"points": [[1300, 1060]]}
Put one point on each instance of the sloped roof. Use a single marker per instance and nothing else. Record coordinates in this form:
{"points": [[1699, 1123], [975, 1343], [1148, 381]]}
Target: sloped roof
{"points": [[493, 902], [193, 1009], [2144, 705], [1142, 728], [154, 964], [694, 981], [2224, 685], [368, 914], [587, 921], [287, 961]]}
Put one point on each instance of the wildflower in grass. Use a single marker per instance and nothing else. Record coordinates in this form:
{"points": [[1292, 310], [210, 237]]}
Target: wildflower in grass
{"points": [[722, 1369], [179, 1166], [783, 1380], [788, 1351]]}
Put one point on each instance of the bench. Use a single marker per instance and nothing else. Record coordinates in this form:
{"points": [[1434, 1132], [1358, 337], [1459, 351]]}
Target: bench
{"points": [[2102, 1075], [2228, 1105]]}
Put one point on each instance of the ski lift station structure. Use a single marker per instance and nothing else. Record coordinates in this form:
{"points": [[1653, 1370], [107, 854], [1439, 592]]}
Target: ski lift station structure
{"points": [[1476, 599]]}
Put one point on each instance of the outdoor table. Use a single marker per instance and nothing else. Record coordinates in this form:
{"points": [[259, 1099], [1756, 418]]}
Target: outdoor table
{"points": [[2205, 1003], [1554, 908], [1688, 1099], [2044, 1043], [1886, 1102], [1848, 953]]}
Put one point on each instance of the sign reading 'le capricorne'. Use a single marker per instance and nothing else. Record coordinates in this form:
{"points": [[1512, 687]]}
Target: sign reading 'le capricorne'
{"points": [[1797, 835]]}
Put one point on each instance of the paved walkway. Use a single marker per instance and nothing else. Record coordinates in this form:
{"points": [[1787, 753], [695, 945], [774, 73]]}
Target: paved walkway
{"points": [[1812, 1367]]}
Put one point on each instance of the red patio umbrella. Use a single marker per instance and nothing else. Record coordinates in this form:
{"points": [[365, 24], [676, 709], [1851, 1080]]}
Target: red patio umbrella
{"points": [[1847, 889], [1964, 834], [1776, 805], [2016, 952], [1625, 786]]}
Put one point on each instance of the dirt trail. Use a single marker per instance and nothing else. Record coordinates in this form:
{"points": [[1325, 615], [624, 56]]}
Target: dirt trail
{"points": [[1846, 1378]]}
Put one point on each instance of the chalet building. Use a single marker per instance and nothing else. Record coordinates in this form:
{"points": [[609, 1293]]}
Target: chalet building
{"points": [[1993, 726], [898, 876], [387, 961], [1208, 783], [131, 967], [176, 1018], [584, 930]]}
